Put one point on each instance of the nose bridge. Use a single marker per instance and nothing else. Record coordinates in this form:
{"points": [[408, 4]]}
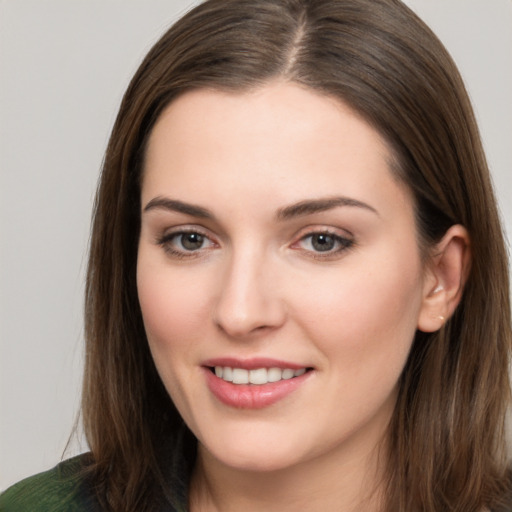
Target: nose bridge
{"points": [[248, 299]]}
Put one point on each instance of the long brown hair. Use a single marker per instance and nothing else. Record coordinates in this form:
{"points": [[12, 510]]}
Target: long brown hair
{"points": [[447, 433]]}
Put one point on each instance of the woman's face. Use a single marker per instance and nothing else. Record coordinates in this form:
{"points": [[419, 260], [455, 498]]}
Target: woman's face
{"points": [[276, 243]]}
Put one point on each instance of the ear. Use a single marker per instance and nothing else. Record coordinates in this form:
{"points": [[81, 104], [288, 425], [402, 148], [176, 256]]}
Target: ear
{"points": [[445, 277]]}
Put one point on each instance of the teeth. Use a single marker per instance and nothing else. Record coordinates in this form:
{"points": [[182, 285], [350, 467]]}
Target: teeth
{"points": [[274, 374], [287, 374], [240, 376], [258, 376]]}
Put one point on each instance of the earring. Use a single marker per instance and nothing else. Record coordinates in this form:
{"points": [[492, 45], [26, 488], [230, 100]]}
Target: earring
{"points": [[438, 289]]}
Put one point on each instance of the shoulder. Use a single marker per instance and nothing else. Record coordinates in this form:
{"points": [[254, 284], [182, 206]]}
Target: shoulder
{"points": [[63, 488]]}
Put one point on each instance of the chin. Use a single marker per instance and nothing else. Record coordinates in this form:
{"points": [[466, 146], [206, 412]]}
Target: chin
{"points": [[247, 453], [261, 462]]}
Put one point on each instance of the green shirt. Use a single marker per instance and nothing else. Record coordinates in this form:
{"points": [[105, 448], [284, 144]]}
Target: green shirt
{"points": [[61, 489], [64, 489]]}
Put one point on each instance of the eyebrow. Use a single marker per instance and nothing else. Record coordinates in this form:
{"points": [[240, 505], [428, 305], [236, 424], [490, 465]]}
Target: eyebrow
{"points": [[302, 208], [309, 207], [163, 203]]}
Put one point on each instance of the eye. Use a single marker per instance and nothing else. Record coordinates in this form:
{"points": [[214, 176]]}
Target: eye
{"points": [[185, 243], [190, 241], [324, 242]]}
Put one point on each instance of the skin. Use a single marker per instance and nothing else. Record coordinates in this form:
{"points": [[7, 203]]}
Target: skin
{"points": [[258, 287]]}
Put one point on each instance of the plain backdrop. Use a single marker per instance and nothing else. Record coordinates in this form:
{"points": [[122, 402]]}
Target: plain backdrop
{"points": [[64, 65]]}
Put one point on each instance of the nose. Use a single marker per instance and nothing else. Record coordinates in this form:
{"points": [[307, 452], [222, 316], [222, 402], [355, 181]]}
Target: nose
{"points": [[249, 299]]}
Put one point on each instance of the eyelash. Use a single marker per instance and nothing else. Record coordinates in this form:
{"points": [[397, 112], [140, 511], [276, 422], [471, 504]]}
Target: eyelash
{"points": [[341, 243], [166, 241]]}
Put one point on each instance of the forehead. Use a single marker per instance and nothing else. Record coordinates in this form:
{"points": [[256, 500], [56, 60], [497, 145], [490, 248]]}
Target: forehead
{"points": [[282, 137], [277, 107]]}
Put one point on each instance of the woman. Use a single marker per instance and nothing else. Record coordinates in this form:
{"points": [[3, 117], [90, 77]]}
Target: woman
{"points": [[297, 294]]}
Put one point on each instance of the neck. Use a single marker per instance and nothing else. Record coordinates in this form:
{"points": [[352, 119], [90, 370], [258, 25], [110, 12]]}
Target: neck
{"points": [[346, 482]]}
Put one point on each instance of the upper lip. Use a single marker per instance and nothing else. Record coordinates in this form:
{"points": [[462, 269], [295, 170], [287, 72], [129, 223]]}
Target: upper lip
{"points": [[252, 363]]}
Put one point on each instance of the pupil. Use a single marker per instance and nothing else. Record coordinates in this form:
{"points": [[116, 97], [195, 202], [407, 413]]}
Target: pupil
{"points": [[323, 242], [192, 241]]}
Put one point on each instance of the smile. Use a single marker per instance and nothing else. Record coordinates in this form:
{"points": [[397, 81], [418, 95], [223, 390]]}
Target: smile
{"points": [[255, 383], [258, 376]]}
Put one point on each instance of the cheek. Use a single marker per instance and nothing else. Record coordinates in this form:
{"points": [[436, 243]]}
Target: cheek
{"points": [[172, 310], [173, 319], [366, 319]]}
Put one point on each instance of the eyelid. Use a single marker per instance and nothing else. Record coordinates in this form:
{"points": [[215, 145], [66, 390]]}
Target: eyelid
{"points": [[164, 239], [344, 237], [313, 229], [187, 228]]}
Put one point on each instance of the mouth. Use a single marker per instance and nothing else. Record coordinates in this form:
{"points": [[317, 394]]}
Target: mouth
{"points": [[255, 383], [257, 376]]}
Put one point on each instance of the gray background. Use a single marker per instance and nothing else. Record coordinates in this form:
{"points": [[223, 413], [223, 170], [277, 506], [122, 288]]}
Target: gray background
{"points": [[64, 65]]}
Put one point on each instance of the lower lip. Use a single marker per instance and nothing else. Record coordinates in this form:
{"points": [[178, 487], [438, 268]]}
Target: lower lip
{"points": [[252, 396]]}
